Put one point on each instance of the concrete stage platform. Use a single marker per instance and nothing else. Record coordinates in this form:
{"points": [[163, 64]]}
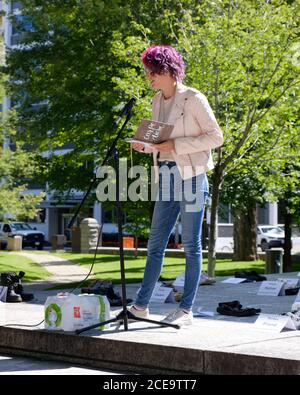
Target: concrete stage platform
{"points": [[213, 345]]}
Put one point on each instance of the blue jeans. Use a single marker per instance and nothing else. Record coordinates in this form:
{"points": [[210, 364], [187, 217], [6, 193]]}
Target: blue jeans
{"points": [[171, 201]]}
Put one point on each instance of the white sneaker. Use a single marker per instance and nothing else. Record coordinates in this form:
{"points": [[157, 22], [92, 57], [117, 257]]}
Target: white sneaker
{"points": [[206, 280], [179, 317], [139, 313]]}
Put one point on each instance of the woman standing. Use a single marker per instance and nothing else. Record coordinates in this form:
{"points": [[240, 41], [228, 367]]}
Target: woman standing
{"points": [[183, 161]]}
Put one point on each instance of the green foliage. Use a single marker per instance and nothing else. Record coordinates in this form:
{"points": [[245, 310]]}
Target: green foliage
{"points": [[138, 219], [2, 57], [74, 67], [243, 56], [244, 66], [16, 165], [85, 63], [82, 63], [16, 168]]}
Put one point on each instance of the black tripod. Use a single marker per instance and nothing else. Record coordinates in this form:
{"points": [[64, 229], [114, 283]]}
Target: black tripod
{"points": [[124, 315]]}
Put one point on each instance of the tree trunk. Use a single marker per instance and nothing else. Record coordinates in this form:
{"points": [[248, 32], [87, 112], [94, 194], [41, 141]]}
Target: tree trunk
{"points": [[244, 235], [217, 180], [287, 256]]}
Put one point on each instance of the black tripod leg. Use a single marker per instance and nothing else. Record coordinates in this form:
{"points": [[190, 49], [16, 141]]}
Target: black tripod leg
{"points": [[121, 317], [135, 318], [99, 324]]}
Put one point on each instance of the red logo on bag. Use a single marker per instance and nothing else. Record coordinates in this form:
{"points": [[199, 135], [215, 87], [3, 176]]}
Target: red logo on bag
{"points": [[76, 312]]}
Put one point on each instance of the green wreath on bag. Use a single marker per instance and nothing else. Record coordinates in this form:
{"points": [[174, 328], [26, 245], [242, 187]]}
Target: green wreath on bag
{"points": [[52, 309]]}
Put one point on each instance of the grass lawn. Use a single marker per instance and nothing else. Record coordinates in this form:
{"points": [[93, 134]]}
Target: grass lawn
{"points": [[9, 262], [108, 266]]}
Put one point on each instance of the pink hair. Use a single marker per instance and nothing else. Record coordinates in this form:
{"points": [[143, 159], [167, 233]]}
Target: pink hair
{"points": [[162, 59]]}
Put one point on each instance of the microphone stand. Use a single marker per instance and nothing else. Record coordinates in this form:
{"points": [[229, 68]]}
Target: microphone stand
{"points": [[125, 315], [127, 110]]}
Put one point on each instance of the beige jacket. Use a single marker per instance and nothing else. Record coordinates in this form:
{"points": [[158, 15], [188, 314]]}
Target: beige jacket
{"points": [[195, 132]]}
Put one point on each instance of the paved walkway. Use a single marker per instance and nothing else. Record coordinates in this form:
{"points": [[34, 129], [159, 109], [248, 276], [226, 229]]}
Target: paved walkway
{"points": [[61, 270], [11, 365]]}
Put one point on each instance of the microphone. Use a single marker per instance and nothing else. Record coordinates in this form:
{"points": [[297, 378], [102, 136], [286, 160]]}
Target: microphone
{"points": [[126, 109], [130, 104]]}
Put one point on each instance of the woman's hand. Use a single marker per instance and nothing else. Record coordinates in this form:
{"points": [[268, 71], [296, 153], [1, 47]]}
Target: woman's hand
{"points": [[138, 147], [166, 146]]}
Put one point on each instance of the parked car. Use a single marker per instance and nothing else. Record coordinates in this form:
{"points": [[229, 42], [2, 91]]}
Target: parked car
{"points": [[30, 236], [269, 236]]}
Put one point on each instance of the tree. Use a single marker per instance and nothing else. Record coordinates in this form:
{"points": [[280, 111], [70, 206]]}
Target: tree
{"points": [[64, 81], [261, 176], [245, 67], [80, 60], [138, 223], [16, 167], [79, 49], [289, 192], [78, 66], [290, 200]]}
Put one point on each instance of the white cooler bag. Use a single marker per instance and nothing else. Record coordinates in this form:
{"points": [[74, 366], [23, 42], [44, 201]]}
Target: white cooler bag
{"points": [[68, 312]]}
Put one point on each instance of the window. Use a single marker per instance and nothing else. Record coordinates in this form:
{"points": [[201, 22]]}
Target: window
{"points": [[225, 230], [6, 228], [224, 214], [21, 24], [263, 214], [21, 226], [110, 216], [16, 5]]}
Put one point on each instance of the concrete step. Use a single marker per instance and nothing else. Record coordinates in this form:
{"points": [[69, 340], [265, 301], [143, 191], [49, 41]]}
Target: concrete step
{"points": [[138, 357]]}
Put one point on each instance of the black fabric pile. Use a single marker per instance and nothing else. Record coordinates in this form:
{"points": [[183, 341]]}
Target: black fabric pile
{"points": [[235, 309], [250, 275]]}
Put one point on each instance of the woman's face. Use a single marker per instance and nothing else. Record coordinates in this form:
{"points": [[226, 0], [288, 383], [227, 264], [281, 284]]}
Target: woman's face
{"points": [[158, 81]]}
